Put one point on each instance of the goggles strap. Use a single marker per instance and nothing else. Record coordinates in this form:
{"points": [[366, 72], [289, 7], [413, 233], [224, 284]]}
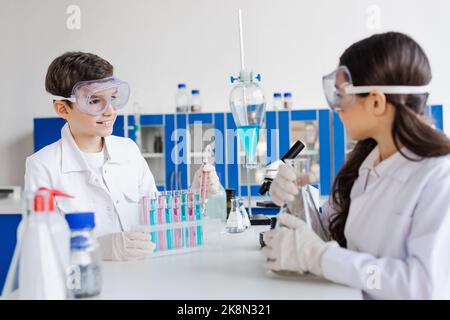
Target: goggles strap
{"points": [[71, 99], [388, 89]]}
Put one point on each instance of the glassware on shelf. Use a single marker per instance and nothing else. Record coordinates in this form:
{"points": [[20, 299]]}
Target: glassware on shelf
{"points": [[196, 104], [158, 145], [287, 101]]}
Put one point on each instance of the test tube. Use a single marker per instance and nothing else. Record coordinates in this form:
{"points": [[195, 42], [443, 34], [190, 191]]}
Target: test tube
{"points": [[184, 217], [162, 220], [145, 210], [203, 178], [198, 217], [191, 213], [169, 219], [177, 218], [153, 218]]}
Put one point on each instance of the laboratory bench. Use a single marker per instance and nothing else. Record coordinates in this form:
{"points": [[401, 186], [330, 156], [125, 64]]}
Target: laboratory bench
{"points": [[10, 217], [229, 267]]}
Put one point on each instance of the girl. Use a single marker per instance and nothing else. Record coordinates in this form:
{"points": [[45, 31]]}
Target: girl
{"points": [[388, 218]]}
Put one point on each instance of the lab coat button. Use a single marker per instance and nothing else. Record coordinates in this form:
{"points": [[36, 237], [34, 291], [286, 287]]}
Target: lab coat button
{"points": [[117, 201]]}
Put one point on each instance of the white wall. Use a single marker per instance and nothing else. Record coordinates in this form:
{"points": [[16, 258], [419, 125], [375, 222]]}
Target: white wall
{"points": [[156, 44]]}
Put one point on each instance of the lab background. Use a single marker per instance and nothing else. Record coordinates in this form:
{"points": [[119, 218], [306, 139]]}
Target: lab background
{"points": [[157, 44]]}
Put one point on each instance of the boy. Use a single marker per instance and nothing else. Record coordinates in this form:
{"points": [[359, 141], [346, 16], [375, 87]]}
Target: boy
{"points": [[105, 174]]}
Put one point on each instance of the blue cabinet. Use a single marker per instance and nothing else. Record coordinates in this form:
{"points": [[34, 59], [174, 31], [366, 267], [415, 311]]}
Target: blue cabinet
{"points": [[8, 233]]}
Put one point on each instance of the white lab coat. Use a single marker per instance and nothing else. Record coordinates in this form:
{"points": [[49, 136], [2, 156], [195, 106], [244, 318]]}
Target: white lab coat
{"points": [[126, 176], [397, 230]]}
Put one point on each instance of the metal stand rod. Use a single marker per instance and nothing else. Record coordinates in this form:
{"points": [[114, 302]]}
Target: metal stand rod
{"points": [[249, 191]]}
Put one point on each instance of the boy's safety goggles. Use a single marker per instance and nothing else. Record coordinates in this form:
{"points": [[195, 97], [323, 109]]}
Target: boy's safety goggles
{"points": [[340, 91], [95, 96]]}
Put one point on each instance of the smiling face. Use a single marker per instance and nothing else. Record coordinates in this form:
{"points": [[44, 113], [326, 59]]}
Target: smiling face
{"points": [[85, 124], [93, 114]]}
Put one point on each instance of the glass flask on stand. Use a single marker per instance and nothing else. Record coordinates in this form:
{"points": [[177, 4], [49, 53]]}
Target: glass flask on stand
{"points": [[248, 107]]}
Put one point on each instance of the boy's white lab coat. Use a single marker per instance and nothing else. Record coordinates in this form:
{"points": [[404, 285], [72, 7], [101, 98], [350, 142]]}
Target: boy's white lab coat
{"points": [[397, 230], [126, 175]]}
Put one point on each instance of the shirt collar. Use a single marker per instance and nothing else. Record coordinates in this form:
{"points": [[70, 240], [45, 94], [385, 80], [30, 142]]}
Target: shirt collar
{"points": [[72, 157], [396, 166]]}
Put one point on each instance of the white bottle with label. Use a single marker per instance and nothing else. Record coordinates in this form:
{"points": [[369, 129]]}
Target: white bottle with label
{"points": [[196, 102], [277, 101], [45, 250], [182, 99]]}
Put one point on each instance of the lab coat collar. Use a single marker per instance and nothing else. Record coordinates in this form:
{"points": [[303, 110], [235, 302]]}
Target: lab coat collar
{"points": [[396, 166], [72, 158], [114, 153]]}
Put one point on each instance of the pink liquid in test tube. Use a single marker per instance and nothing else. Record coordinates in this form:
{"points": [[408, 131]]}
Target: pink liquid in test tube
{"points": [[145, 214], [162, 220], [192, 231], [177, 218], [203, 177]]}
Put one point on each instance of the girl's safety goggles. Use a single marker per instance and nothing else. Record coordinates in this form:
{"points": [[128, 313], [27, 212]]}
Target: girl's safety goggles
{"points": [[340, 91], [95, 96]]}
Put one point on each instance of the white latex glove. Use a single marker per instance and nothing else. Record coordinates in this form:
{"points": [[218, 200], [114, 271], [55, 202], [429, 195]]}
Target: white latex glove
{"points": [[271, 170], [212, 181], [294, 247], [284, 190], [123, 246]]}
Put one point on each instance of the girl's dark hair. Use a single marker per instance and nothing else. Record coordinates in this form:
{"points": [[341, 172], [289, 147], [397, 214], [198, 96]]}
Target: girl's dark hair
{"points": [[387, 59]]}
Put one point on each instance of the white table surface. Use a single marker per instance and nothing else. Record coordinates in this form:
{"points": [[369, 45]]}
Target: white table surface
{"points": [[230, 267], [10, 206]]}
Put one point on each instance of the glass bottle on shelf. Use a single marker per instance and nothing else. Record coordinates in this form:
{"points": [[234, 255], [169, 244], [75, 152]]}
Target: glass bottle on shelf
{"points": [[196, 103], [182, 99], [277, 101], [288, 104], [158, 144]]}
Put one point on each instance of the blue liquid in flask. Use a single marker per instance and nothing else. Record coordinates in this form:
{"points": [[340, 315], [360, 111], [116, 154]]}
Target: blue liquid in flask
{"points": [[249, 136]]}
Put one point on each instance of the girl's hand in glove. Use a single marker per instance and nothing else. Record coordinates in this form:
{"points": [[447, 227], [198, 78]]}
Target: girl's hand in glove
{"points": [[284, 188], [294, 247]]}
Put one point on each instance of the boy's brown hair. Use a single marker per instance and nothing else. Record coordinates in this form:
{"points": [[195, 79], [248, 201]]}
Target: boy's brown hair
{"points": [[71, 67]]}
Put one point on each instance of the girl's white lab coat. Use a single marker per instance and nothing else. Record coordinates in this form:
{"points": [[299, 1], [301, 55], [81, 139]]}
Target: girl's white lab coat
{"points": [[397, 230], [125, 173]]}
